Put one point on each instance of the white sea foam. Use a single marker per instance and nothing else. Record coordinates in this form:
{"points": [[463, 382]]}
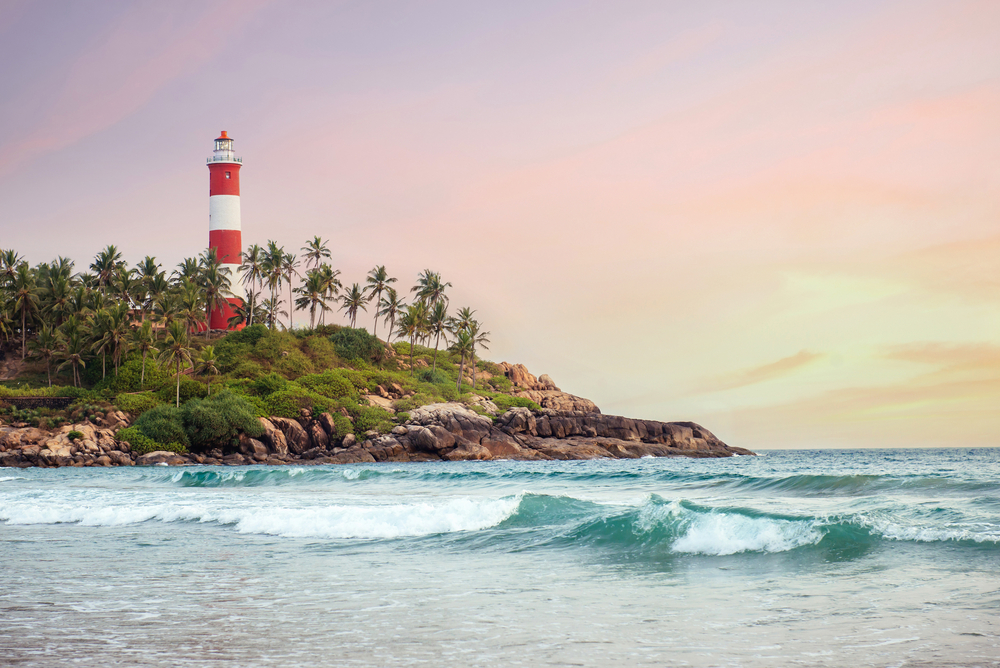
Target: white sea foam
{"points": [[381, 521], [924, 534], [11, 477], [719, 533], [334, 521]]}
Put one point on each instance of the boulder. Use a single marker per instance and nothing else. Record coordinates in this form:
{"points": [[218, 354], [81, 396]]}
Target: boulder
{"points": [[273, 437], [545, 382], [326, 421], [160, 457], [318, 435], [251, 447], [295, 435]]}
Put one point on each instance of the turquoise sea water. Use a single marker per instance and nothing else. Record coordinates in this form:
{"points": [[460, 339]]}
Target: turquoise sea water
{"points": [[795, 558]]}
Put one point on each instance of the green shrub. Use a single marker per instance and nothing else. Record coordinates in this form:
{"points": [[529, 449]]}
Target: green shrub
{"points": [[293, 364], [129, 377], [341, 426], [500, 383], [402, 417], [137, 403], [74, 435], [218, 420], [163, 424], [331, 383], [449, 392], [505, 402], [321, 351], [371, 417], [288, 402], [490, 367], [247, 369], [268, 384], [142, 444], [190, 389], [356, 344], [434, 376]]}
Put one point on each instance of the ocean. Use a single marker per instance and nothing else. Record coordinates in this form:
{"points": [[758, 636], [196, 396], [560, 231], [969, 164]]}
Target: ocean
{"points": [[793, 558]]}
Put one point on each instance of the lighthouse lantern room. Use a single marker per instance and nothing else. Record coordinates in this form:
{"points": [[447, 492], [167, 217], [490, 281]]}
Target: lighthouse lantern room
{"points": [[224, 233]]}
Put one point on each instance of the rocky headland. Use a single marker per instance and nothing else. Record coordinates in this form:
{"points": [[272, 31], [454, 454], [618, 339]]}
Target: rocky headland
{"points": [[566, 427]]}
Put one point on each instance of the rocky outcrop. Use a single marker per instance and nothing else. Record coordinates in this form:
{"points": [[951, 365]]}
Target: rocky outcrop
{"points": [[93, 445], [543, 391], [567, 427]]}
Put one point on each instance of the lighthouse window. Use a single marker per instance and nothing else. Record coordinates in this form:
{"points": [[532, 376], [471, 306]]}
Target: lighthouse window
{"points": [[229, 175]]}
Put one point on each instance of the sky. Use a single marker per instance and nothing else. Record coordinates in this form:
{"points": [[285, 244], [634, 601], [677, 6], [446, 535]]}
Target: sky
{"points": [[780, 220]]}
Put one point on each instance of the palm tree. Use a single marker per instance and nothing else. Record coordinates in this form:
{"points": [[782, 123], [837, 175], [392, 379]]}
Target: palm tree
{"points": [[331, 286], [167, 308], [24, 294], [378, 280], [176, 351], [117, 332], [206, 364], [45, 347], [429, 286], [311, 295], [187, 268], [253, 273], [314, 251], [353, 300], [410, 323], [272, 307], [191, 306], [144, 340], [437, 324], [72, 351], [478, 339], [289, 266], [215, 284], [9, 260], [273, 272], [463, 321], [389, 307], [462, 345], [105, 265]]}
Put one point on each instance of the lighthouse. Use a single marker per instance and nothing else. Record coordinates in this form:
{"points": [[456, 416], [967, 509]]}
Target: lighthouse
{"points": [[224, 234]]}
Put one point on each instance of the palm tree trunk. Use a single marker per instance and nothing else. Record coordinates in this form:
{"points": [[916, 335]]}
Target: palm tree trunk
{"points": [[142, 376], [473, 368], [436, 341], [378, 295], [24, 334], [104, 365], [48, 373], [461, 370], [411, 356], [178, 384], [291, 306]]}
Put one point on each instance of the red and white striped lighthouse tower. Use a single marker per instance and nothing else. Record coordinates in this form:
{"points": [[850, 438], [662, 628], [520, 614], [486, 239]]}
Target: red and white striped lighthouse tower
{"points": [[224, 234]]}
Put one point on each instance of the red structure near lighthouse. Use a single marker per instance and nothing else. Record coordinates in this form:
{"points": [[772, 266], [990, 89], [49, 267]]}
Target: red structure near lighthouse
{"points": [[224, 233]]}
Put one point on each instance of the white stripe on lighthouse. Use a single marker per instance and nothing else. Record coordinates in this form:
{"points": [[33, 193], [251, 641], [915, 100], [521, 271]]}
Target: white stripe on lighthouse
{"points": [[224, 212]]}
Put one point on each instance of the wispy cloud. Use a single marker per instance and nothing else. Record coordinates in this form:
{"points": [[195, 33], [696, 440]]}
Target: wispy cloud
{"points": [[765, 372]]}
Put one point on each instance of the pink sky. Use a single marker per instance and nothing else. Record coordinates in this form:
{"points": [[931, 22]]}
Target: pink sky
{"points": [[779, 220]]}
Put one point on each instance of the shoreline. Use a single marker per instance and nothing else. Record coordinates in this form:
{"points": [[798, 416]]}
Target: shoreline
{"points": [[436, 432]]}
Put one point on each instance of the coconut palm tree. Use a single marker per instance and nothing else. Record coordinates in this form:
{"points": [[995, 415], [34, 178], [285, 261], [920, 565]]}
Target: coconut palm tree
{"points": [[188, 268], [215, 284], [463, 320], [24, 294], [331, 286], [191, 306], [437, 324], [176, 352], [389, 307], [463, 346], [9, 259], [289, 267], [314, 251], [167, 308], [353, 300], [144, 341], [206, 364], [252, 274], [311, 294], [430, 287], [45, 346], [410, 325], [272, 308], [73, 348], [273, 271], [106, 265], [479, 339], [378, 280]]}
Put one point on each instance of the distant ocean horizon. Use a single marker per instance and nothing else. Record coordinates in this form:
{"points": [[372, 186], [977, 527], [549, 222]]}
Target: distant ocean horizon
{"points": [[865, 557]]}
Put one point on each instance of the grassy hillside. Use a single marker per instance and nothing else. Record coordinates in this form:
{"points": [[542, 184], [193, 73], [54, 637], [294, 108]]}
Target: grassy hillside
{"points": [[278, 373]]}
